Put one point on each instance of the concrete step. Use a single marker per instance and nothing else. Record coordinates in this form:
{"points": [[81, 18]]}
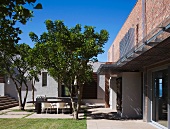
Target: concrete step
{"points": [[1, 104], [7, 102], [7, 106], [4, 107], [4, 101], [11, 99], [13, 105]]}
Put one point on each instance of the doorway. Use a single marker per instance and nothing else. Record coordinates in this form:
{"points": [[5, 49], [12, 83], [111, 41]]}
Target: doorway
{"points": [[119, 94], [160, 97]]}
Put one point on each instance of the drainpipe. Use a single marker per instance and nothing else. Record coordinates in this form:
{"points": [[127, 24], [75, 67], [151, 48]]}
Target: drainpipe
{"points": [[144, 25]]}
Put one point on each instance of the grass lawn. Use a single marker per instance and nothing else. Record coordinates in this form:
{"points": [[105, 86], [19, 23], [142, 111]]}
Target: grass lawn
{"points": [[24, 123]]}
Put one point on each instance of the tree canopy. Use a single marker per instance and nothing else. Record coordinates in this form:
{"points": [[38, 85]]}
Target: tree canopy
{"points": [[11, 12], [65, 52], [15, 57]]}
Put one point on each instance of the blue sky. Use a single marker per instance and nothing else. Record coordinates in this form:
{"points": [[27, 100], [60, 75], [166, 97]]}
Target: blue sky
{"points": [[102, 14]]}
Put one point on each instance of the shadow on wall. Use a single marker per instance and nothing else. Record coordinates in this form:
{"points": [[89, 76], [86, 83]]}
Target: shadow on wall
{"points": [[101, 92], [132, 107], [10, 89], [29, 87], [127, 43], [101, 86]]}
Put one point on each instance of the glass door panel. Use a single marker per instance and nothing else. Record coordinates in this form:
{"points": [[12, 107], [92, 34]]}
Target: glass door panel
{"points": [[160, 97]]}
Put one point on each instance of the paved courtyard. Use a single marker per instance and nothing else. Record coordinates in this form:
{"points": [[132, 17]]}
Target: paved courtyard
{"points": [[116, 124], [105, 118], [97, 118]]}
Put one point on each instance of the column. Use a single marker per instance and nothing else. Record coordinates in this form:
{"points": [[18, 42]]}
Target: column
{"points": [[107, 77], [169, 97]]}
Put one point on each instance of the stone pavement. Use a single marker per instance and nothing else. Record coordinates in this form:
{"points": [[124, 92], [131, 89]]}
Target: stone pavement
{"points": [[105, 118], [97, 118], [13, 113], [116, 124]]}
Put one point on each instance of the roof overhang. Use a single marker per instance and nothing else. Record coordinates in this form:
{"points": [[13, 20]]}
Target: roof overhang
{"points": [[155, 47], [108, 69]]}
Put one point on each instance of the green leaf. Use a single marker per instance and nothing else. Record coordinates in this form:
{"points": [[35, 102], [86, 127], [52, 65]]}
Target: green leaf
{"points": [[38, 6]]}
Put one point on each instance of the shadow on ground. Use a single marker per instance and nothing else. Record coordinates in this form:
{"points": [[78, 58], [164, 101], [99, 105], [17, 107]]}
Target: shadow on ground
{"points": [[94, 112]]}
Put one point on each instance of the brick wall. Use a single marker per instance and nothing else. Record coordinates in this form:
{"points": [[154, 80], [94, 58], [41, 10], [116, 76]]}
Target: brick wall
{"points": [[156, 12], [133, 19], [111, 54]]}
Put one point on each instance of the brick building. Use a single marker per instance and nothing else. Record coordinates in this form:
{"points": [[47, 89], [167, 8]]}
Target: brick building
{"points": [[137, 82]]}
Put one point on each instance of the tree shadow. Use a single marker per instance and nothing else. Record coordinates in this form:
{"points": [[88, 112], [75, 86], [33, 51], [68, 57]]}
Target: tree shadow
{"points": [[97, 114]]}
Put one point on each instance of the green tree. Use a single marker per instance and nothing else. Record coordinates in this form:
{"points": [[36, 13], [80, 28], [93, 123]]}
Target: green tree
{"points": [[65, 53], [11, 13], [34, 70], [22, 69], [16, 68]]}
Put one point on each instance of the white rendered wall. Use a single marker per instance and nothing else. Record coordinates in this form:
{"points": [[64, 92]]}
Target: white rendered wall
{"points": [[51, 90], [131, 95], [2, 90], [113, 93]]}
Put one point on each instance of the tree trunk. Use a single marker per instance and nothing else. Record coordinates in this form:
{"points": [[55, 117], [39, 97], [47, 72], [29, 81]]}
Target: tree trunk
{"points": [[25, 97], [76, 106], [19, 90], [80, 91], [73, 108], [33, 90], [20, 99]]}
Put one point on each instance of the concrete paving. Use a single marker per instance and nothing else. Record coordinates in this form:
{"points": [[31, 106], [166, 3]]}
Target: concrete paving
{"points": [[12, 116], [55, 116], [116, 124], [105, 118], [18, 113], [97, 118]]}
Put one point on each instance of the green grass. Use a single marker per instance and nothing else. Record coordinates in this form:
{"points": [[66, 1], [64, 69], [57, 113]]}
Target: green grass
{"points": [[32, 105], [26, 110], [25, 123]]}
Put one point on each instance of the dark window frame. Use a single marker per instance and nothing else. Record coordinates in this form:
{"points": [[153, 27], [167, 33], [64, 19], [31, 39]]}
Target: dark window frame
{"points": [[44, 78]]}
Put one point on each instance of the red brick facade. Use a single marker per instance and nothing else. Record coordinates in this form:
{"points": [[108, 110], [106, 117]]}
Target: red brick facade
{"points": [[142, 23]]}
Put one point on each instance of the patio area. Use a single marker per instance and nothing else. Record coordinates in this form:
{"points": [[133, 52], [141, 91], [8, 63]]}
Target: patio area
{"points": [[97, 118]]}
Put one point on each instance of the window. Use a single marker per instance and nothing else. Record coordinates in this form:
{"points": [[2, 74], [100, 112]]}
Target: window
{"points": [[137, 33], [160, 87], [44, 78], [65, 91]]}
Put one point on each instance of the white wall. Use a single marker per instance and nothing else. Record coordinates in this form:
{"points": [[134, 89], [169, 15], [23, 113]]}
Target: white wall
{"points": [[2, 90], [51, 90], [11, 90], [101, 87], [113, 93], [131, 95]]}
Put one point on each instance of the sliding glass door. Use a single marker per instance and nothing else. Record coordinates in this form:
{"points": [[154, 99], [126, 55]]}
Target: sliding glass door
{"points": [[160, 97]]}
